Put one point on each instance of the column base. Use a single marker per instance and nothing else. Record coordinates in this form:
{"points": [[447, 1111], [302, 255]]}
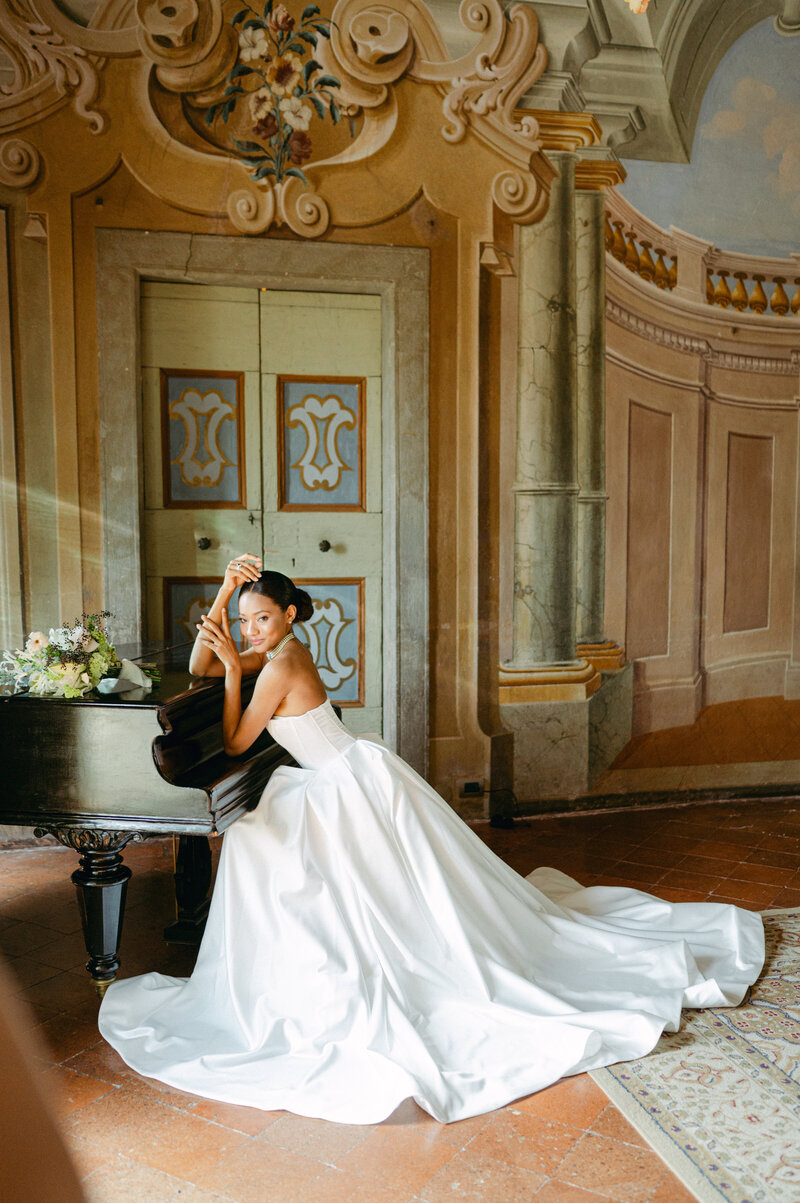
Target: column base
{"points": [[606, 657], [573, 681], [561, 748]]}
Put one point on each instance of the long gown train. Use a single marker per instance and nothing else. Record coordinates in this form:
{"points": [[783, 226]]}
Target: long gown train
{"points": [[364, 946]]}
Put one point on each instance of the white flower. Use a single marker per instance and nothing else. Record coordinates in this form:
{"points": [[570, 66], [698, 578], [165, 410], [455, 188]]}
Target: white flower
{"points": [[36, 641], [67, 675], [295, 113], [42, 684], [253, 44], [82, 638], [260, 103], [61, 637]]}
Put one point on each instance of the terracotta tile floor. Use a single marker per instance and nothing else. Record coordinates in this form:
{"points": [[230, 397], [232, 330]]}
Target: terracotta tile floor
{"points": [[134, 1139]]}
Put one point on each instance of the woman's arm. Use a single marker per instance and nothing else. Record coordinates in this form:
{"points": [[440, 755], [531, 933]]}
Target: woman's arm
{"points": [[203, 661], [240, 730]]}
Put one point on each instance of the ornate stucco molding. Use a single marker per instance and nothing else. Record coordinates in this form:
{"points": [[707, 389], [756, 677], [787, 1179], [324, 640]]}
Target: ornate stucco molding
{"points": [[689, 344], [20, 163], [195, 63], [50, 69]]}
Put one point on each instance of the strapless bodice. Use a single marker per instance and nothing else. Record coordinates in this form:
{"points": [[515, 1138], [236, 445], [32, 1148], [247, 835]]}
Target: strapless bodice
{"points": [[313, 738]]}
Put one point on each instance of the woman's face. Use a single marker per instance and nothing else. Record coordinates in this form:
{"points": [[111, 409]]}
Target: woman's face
{"points": [[264, 623]]}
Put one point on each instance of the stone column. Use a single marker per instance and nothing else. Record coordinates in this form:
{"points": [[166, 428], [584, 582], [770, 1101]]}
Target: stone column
{"points": [[564, 717], [590, 383], [545, 484], [590, 264]]}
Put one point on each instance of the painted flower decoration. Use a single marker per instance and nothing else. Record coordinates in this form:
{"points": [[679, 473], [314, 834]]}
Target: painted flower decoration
{"points": [[253, 45], [283, 74], [266, 127], [282, 86], [280, 20], [261, 102], [295, 113], [299, 147]]}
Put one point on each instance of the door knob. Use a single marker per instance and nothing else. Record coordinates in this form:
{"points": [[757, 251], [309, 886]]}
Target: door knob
{"points": [[325, 545], [204, 543]]}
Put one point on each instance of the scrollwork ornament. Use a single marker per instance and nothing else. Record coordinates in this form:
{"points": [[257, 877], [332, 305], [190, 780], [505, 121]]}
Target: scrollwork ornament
{"points": [[305, 212], [475, 15], [381, 37], [252, 210], [500, 74], [178, 34], [20, 163], [516, 194], [42, 56], [370, 46]]}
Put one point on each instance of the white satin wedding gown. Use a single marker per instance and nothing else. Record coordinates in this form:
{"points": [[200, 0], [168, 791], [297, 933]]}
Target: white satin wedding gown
{"points": [[364, 946]]}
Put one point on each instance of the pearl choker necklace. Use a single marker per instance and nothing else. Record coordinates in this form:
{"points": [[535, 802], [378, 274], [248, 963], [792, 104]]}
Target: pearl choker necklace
{"points": [[280, 646]]}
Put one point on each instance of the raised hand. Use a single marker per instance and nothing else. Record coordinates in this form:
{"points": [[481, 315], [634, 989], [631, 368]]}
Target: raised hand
{"points": [[217, 637], [241, 569]]}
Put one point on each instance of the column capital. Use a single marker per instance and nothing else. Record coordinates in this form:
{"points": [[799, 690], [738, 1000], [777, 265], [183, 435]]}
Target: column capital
{"points": [[564, 131], [595, 175]]}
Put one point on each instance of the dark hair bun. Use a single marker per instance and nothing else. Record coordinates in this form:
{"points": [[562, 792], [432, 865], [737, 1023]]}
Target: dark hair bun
{"points": [[305, 607]]}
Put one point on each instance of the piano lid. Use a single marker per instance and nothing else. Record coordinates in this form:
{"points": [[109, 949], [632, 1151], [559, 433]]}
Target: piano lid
{"points": [[157, 757]]}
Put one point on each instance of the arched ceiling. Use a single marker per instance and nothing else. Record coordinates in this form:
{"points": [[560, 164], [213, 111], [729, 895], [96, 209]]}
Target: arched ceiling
{"points": [[643, 76], [741, 189]]}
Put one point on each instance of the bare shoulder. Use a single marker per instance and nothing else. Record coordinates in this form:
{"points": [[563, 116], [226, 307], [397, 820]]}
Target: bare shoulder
{"points": [[293, 659]]}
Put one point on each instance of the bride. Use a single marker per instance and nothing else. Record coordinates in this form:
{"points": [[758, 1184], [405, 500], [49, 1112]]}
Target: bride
{"points": [[364, 946]]}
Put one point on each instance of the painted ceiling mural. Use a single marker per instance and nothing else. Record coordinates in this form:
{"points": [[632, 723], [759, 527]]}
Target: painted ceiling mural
{"points": [[741, 189]]}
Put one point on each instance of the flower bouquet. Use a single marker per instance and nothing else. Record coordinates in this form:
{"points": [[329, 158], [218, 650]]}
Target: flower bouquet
{"points": [[281, 86], [67, 663]]}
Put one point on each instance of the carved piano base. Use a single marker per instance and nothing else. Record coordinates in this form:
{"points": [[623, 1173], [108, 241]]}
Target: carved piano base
{"points": [[101, 883], [192, 881]]}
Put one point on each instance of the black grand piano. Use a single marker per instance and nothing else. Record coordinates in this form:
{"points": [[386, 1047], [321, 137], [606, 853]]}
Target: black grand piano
{"points": [[112, 768]]}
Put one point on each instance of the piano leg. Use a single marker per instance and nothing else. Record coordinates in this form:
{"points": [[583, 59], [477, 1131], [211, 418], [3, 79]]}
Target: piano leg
{"points": [[192, 880], [101, 883]]}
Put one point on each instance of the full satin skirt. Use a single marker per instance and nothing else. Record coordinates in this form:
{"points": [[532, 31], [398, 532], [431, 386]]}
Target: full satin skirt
{"points": [[364, 946]]}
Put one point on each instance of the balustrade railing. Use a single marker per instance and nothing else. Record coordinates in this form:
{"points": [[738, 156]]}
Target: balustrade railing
{"points": [[697, 270], [746, 292], [651, 258]]}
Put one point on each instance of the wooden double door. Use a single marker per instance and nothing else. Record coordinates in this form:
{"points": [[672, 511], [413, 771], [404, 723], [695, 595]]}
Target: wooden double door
{"points": [[261, 414]]}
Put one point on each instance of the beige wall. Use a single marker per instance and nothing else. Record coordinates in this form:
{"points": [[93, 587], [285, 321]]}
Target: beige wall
{"points": [[702, 444], [431, 168]]}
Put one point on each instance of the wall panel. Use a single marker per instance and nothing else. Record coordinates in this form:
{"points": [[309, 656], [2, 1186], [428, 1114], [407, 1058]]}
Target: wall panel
{"points": [[748, 532], [649, 505]]}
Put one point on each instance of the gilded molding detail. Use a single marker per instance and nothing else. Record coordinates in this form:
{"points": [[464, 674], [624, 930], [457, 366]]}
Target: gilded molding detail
{"points": [[676, 341], [20, 163], [597, 175]]}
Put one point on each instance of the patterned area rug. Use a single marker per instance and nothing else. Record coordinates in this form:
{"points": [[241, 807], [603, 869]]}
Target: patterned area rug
{"points": [[720, 1099]]}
